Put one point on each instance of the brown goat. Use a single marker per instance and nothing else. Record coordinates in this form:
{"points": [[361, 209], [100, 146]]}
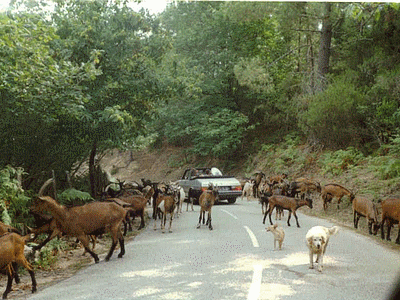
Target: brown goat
{"points": [[391, 215], [363, 207], [137, 205], [286, 203], [259, 176], [53, 229], [304, 187], [91, 218], [277, 178], [206, 201], [332, 190], [167, 205], [12, 251]]}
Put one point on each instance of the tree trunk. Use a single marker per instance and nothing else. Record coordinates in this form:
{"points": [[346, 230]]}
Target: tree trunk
{"points": [[92, 170], [325, 46]]}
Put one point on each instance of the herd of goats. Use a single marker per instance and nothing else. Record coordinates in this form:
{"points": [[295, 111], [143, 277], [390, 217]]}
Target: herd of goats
{"points": [[116, 210]]}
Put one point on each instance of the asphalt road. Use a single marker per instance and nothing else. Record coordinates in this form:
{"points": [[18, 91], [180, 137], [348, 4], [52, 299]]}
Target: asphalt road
{"points": [[236, 260]]}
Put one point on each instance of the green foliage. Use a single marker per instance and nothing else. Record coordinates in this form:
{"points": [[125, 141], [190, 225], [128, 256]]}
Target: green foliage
{"points": [[13, 202], [219, 134], [215, 133], [74, 197], [284, 157], [48, 254], [332, 117], [86, 74], [337, 162]]}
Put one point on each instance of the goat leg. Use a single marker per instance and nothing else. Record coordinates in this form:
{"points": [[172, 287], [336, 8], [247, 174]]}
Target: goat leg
{"points": [[170, 222], [199, 225], [113, 245], [355, 219], [389, 227], [270, 213], [33, 280], [142, 224], [297, 220], [340, 198], [15, 269], [265, 216], [370, 226], [122, 246], [288, 219], [85, 242], [9, 283], [163, 222], [209, 220]]}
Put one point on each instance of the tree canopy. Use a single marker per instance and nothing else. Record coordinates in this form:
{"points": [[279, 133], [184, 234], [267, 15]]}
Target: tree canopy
{"points": [[216, 78]]}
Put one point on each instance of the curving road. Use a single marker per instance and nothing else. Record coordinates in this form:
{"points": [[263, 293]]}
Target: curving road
{"points": [[235, 261]]}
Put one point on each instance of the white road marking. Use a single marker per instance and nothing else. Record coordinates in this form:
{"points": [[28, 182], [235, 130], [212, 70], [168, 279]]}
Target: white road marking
{"points": [[254, 292], [252, 236], [229, 213]]}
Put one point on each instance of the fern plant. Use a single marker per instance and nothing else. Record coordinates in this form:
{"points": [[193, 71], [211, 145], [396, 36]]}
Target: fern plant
{"points": [[72, 197]]}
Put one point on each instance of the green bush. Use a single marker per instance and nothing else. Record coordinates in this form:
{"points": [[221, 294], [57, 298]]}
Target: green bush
{"points": [[14, 204], [332, 117], [337, 162]]}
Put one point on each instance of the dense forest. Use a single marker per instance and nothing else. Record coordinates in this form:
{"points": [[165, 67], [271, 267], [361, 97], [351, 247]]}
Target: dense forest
{"points": [[219, 79]]}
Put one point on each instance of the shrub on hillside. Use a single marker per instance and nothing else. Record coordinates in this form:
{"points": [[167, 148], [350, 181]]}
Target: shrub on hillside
{"points": [[336, 162], [332, 117]]}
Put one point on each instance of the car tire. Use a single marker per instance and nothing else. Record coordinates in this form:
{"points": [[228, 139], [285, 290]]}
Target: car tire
{"points": [[232, 200]]}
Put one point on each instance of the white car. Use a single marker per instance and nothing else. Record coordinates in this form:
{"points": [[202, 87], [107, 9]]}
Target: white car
{"points": [[195, 180]]}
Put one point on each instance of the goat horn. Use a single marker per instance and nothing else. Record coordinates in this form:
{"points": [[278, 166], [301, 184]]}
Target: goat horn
{"points": [[44, 186]]}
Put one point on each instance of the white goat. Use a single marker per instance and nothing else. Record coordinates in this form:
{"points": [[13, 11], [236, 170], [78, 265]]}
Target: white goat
{"points": [[248, 189]]}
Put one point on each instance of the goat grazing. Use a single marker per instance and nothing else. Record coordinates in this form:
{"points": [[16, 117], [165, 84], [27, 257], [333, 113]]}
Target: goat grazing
{"points": [[363, 207], [286, 203], [332, 190], [206, 201], [12, 247], [91, 218], [391, 215]]}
